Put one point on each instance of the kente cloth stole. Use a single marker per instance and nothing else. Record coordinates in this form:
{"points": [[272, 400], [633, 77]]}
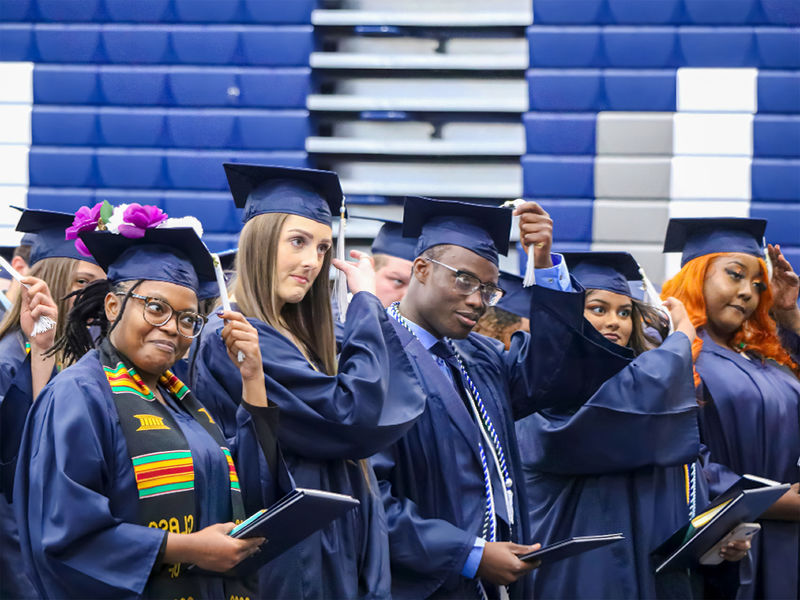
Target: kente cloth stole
{"points": [[162, 464]]}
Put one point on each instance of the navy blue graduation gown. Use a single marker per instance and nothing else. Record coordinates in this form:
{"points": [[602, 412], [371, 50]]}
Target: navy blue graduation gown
{"points": [[327, 424], [13, 374], [614, 465], [76, 494], [431, 480], [751, 423]]}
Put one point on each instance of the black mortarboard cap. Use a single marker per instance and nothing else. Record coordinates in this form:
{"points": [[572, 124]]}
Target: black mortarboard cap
{"points": [[698, 237], [611, 271]]}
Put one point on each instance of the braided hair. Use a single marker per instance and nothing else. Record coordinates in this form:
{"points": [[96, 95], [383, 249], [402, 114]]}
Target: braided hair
{"points": [[87, 311]]}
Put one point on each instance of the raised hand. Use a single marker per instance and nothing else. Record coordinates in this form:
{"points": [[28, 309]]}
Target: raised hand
{"points": [[241, 341], [536, 227], [785, 286], [680, 318], [360, 275], [37, 302]]}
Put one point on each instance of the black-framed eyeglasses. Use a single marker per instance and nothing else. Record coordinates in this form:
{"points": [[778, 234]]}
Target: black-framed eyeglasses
{"points": [[467, 284], [158, 312]]}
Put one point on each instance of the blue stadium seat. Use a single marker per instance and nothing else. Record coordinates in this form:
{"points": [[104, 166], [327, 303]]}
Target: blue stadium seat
{"points": [[60, 126], [62, 200], [215, 210], [126, 168], [67, 44], [776, 136], [565, 90], [640, 47], [58, 84], [778, 47], [198, 86], [133, 86], [649, 12], [779, 92], [565, 47], [721, 12], [196, 170], [558, 177], [126, 127], [277, 46], [776, 180], [549, 133], [218, 242], [275, 88], [118, 196], [16, 11], [717, 46], [640, 90], [558, 12], [274, 130], [783, 222], [781, 12], [137, 44], [278, 11], [73, 11], [141, 11], [16, 42], [792, 254], [203, 45], [200, 128], [206, 11], [56, 167], [573, 218]]}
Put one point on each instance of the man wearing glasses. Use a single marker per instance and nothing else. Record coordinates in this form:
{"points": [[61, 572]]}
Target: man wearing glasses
{"points": [[453, 486]]}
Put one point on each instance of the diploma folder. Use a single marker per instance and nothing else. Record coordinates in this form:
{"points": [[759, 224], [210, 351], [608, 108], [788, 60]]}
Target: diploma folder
{"points": [[685, 547], [287, 522], [571, 547]]}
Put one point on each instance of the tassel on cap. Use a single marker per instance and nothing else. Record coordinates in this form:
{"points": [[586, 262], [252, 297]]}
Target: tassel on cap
{"points": [[530, 269], [652, 298], [340, 285]]}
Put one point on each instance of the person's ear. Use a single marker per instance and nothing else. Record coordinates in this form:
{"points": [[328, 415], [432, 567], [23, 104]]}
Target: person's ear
{"points": [[20, 265], [421, 269], [113, 305]]}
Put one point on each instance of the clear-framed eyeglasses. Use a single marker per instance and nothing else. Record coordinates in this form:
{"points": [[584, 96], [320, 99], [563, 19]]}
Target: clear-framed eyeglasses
{"points": [[158, 312], [467, 284]]}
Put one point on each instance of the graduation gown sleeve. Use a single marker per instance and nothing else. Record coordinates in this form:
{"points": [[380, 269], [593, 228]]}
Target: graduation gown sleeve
{"points": [[64, 497], [366, 406], [541, 367], [646, 415]]}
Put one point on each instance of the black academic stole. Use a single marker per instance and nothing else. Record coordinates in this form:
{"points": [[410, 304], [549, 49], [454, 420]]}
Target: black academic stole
{"points": [[162, 464]]}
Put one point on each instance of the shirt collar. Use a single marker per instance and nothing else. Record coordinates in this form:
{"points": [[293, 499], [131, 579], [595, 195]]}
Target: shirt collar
{"points": [[423, 335]]}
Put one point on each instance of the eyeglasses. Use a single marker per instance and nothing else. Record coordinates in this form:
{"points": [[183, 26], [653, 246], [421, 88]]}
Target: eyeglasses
{"points": [[467, 284], [158, 313]]}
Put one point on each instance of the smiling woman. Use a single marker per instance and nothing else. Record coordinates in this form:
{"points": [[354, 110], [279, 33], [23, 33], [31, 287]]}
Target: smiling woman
{"points": [[123, 478], [746, 371]]}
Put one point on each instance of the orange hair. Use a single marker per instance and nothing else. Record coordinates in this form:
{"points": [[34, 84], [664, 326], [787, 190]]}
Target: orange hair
{"points": [[758, 333]]}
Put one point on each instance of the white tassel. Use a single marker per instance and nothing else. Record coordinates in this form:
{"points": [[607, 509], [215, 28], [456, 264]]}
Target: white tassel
{"points": [[43, 323], [340, 285], [768, 260], [530, 269], [652, 298], [223, 295]]}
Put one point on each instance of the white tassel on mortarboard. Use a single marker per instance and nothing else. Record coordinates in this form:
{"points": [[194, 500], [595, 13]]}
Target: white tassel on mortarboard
{"points": [[768, 260], [340, 285], [530, 272], [43, 323], [223, 294], [652, 298]]}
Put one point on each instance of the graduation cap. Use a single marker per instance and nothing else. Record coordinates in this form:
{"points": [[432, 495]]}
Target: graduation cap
{"points": [[482, 229], [611, 271], [210, 289], [164, 254], [698, 237], [308, 193], [517, 299], [49, 241], [390, 239]]}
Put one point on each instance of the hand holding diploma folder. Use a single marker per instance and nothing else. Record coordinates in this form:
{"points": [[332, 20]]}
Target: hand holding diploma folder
{"points": [[743, 502], [287, 522]]}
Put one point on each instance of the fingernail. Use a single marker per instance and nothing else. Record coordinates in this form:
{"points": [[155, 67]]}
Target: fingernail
{"points": [[219, 312]]}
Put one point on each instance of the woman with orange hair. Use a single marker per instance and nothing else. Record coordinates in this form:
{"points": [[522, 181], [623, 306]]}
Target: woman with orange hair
{"points": [[746, 372]]}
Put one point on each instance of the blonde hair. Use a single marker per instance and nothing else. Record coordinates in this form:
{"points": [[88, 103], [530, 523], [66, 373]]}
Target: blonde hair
{"points": [[310, 321], [58, 274], [758, 333]]}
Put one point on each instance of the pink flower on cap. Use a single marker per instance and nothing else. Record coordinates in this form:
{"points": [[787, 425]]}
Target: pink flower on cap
{"points": [[137, 219], [86, 219]]}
